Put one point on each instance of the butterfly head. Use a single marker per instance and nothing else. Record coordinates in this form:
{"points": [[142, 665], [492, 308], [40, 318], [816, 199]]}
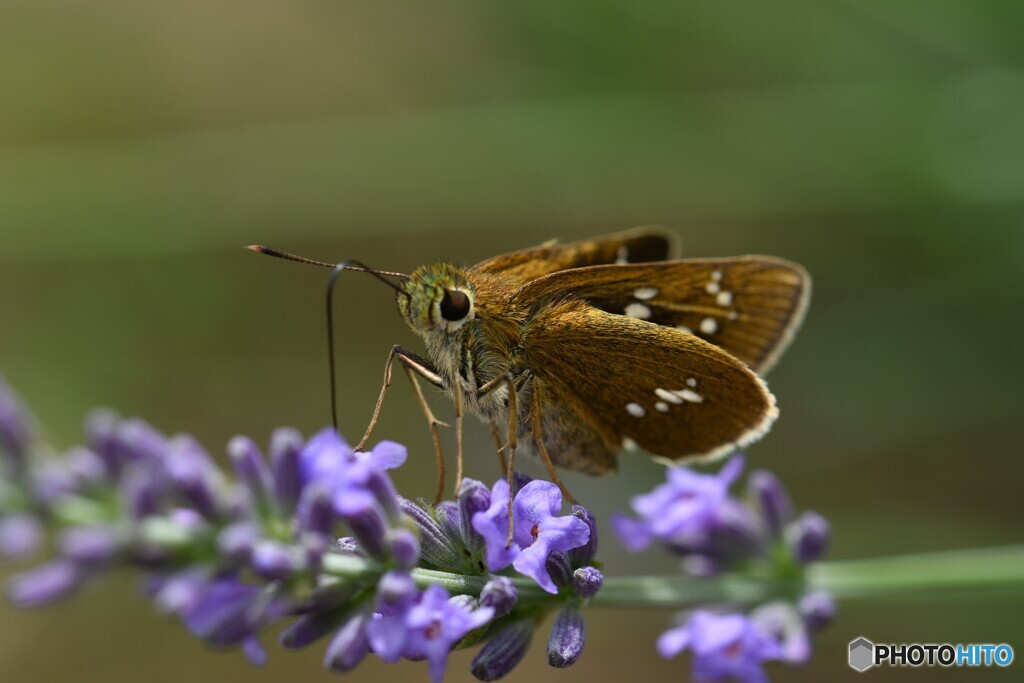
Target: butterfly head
{"points": [[436, 299]]}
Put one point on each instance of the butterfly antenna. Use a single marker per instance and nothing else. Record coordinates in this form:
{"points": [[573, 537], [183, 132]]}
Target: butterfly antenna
{"points": [[338, 269]]}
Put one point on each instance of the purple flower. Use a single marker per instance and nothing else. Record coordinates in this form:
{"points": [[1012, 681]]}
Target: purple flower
{"points": [[436, 624], [723, 646], [536, 531], [424, 627], [680, 507], [326, 454], [228, 612]]}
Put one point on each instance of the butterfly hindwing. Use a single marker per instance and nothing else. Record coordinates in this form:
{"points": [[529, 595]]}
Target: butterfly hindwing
{"points": [[750, 306], [670, 392], [639, 245]]}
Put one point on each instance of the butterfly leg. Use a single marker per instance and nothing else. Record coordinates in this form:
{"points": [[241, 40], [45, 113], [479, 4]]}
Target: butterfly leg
{"points": [[457, 391], [538, 438], [512, 409], [414, 367], [496, 435]]}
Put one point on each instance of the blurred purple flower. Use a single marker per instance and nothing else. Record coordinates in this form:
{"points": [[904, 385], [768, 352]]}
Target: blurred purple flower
{"points": [[724, 647], [683, 505]]}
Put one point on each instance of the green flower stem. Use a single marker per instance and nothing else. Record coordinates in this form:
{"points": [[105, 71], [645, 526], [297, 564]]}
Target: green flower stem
{"points": [[902, 575]]}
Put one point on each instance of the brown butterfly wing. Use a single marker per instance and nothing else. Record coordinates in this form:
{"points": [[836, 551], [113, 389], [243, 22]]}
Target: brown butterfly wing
{"points": [[670, 392], [639, 245], [750, 306]]}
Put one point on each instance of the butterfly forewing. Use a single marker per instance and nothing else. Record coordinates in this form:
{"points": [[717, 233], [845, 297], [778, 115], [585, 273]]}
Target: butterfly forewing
{"points": [[670, 392], [750, 306], [639, 245]]}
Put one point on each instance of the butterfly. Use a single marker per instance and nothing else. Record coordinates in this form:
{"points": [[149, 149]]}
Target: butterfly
{"points": [[589, 349]]}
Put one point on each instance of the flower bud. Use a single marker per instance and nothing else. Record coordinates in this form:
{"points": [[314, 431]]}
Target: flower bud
{"points": [[772, 500], [235, 542], [405, 548], [310, 628], [88, 469], [273, 560], [251, 469], [137, 441], [349, 645], [285, 445], [316, 510], [474, 497], [587, 581], [817, 608], [558, 568], [20, 536], [499, 594], [584, 555], [370, 528], [16, 427], [449, 519], [435, 546], [44, 585], [503, 652], [808, 537], [195, 476], [89, 545], [101, 437], [396, 589], [568, 635]]}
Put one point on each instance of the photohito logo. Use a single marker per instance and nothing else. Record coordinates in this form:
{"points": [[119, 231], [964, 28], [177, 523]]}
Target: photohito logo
{"points": [[864, 654]]}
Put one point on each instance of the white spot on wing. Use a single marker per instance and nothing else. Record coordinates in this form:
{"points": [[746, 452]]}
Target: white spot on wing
{"points": [[668, 396], [724, 299], [690, 395], [628, 444], [661, 406], [733, 315], [622, 255], [713, 287], [635, 409], [645, 293], [716, 275], [691, 382], [636, 310], [708, 325]]}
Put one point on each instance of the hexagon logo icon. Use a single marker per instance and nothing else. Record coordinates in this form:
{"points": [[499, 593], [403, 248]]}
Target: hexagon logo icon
{"points": [[862, 654]]}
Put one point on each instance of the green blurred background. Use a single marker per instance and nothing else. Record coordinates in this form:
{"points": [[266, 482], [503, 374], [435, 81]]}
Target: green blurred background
{"points": [[879, 143]]}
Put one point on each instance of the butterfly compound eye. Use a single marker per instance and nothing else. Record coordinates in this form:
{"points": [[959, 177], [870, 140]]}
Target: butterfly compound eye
{"points": [[455, 305]]}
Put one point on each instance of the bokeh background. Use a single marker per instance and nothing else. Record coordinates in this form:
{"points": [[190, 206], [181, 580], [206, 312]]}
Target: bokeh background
{"points": [[879, 143]]}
